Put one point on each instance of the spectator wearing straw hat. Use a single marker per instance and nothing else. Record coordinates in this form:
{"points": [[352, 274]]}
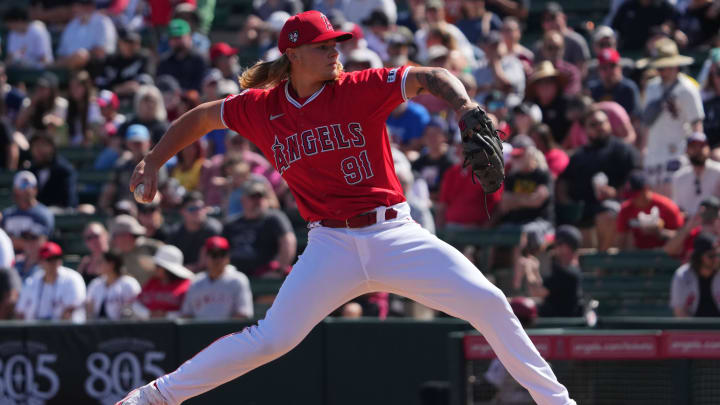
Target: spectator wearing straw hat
{"points": [[672, 104], [221, 291], [546, 89], [163, 294], [53, 293]]}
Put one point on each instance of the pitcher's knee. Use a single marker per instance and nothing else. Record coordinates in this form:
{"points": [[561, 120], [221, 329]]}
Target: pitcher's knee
{"points": [[490, 299], [276, 345]]}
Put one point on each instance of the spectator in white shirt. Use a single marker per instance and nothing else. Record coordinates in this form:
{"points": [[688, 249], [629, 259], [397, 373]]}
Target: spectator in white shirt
{"points": [[111, 295], [90, 35], [28, 42], [697, 181], [53, 293], [220, 292]]}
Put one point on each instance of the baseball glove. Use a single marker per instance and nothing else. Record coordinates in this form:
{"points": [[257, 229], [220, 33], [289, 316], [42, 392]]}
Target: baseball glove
{"points": [[482, 149]]}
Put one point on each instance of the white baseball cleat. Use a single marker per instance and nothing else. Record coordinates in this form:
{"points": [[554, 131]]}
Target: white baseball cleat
{"points": [[145, 395]]}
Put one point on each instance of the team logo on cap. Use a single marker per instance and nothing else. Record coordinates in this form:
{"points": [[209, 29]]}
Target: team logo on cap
{"points": [[293, 36], [328, 26]]}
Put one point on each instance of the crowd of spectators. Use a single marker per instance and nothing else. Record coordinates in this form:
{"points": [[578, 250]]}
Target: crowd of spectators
{"points": [[611, 141]]}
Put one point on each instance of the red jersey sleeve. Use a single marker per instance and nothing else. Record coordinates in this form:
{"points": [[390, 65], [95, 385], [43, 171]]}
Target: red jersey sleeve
{"points": [[238, 109], [379, 90], [672, 216]]}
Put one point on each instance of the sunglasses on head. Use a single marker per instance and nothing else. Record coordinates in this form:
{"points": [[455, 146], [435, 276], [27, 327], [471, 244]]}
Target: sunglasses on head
{"points": [[91, 236], [29, 236]]}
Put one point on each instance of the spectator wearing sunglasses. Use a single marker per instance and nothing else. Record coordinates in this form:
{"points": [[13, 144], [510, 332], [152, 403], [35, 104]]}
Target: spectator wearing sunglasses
{"points": [[196, 226], [151, 217], [262, 240], [699, 180], [221, 291], [695, 289]]}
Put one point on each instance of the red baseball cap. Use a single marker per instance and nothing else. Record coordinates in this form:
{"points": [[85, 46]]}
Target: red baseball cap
{"points": [[608, 56], [108, 98], [222, 48], [50, 250], [217, 243], [308, 28]]}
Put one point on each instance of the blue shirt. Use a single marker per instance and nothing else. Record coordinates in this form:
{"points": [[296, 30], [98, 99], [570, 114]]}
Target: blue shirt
{"points": [[38, 219], [410, 124], [625, 93]]}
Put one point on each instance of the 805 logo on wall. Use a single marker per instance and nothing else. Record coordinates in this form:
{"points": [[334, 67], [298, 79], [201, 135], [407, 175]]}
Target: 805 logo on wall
{"points": [[27, 376], [120, 365]]}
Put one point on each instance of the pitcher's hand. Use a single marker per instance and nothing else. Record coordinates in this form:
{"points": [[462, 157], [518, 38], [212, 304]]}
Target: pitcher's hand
{"points": [[146, 175]]}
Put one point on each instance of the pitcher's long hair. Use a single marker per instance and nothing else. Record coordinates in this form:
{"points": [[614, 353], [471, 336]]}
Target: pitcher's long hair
{"points": [[265, 75]]}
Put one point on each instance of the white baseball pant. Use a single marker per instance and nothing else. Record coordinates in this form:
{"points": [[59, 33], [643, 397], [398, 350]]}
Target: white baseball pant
{"points": [[396, 256]]}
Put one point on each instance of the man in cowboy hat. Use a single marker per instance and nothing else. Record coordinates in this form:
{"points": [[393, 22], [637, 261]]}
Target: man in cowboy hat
{"points": [[545, 88], [673, 110]]}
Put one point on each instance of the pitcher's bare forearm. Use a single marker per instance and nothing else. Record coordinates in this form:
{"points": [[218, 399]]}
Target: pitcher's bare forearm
{"points": [[441, 84], [185, 130]]}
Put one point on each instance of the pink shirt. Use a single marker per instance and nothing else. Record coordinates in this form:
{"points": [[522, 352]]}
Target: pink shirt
{"points": [[619, 121]]}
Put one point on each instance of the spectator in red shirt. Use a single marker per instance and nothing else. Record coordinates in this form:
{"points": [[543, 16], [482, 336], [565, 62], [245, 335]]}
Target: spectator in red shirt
{"points": [[556, 158], [462, 202], [706, 219], [163, 294], [651, 218]]}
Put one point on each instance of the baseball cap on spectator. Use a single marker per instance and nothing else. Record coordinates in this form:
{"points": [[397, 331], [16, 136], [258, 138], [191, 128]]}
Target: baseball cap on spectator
{"points": [[520, 144], [137, 133], [337, 18], [50, 251], [178, 28], [438, 122], [603, 32], [355, 29], [377, 18], [308, 28], [277, 19], [221, 49], [253, 188], [47, 79], [552, 8], [128, 36], [399, 38], [146, 79], [434, 4], [24, 179], [568, 235], [697, 137], [495, 100], [217, 243], [126, 224], [711, 202], [703, 243], [125, 207], [531, 109], [212, 76], [167, 83], [436, 52], [637, 182], [171, 259], [608, 56], [364, 55], [107, 98]]}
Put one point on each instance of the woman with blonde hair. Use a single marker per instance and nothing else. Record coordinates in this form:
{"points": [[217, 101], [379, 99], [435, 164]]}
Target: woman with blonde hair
{"points": [[148, 110]]}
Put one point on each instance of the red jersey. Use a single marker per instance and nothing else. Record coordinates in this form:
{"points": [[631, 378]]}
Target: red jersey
{"points": [[668, 211], [157, 296], [332, 149], [464, 199]]}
